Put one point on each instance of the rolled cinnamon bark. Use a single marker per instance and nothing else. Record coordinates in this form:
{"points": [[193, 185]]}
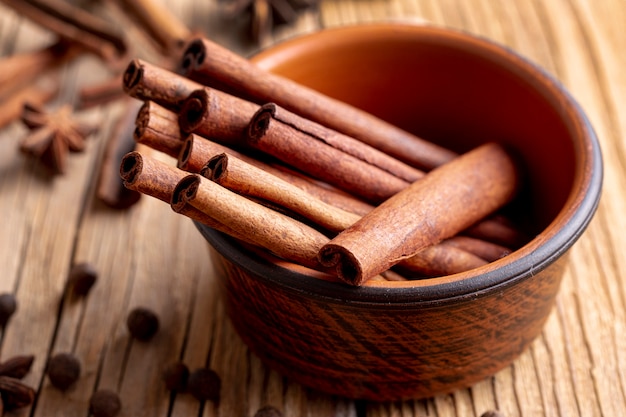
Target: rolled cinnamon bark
{"points": [[197, 151], [446, 201], [267, 228], [72, 22], [211, 64], [157, 127], [168, 32], [101, 93], [486, 250], [111, 189], [20, 70], [157, 179], [314, 134], [150, 176], [216, 115], [145, 81], [250, 181], [499, 230], [439, 260], [180, 204], [320, 160]]}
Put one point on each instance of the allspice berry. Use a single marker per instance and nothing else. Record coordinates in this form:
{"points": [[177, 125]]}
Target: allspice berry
{"points": [[63, 370], [104, 403], [205, 384], [8, 305], [176, 376], [81, 278], [268, 411], [142, 323]]}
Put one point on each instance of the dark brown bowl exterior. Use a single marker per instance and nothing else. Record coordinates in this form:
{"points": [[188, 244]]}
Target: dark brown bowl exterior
{"points": [[416, 339]]}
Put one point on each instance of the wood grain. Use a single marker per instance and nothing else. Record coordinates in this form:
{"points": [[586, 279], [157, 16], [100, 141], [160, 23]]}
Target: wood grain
{"points": [[149, 256]]}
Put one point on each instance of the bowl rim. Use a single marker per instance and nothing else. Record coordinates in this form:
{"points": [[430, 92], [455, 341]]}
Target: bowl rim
{"points": [[556, 239]]}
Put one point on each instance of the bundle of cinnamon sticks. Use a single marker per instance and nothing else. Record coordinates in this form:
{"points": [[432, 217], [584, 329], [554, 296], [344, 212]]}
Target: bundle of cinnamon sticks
{"points": [[312, 180]]}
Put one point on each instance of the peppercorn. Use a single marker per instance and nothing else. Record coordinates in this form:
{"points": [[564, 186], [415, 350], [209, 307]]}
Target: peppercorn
{"points": [[492, 413], [142, 323], [104, 403], [81, 278], [205, 384], [176, 376], [8, 305], [268, 411], [63, 370]]}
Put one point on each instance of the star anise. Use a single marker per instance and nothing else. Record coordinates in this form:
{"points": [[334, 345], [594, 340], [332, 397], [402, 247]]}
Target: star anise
{"points": [[13, 392], [53, 135], [266, 14]]}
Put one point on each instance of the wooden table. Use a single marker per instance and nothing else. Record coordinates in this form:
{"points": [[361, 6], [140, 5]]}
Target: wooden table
{"points": [[149, 256]]}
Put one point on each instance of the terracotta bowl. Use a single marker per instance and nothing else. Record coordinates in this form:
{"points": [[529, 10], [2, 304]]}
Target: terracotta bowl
{"points": [[415, 339]]}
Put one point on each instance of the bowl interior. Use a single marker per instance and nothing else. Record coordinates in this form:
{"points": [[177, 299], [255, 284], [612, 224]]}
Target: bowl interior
{"points": [[461, 91]]}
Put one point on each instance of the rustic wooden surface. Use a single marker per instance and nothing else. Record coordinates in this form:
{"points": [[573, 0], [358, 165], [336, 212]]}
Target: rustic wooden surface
{"points": [[149, 256]]}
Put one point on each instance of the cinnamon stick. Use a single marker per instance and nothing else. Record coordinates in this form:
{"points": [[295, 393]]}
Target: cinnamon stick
{"points": [[246, 179], [281, 140], [267, 228], [314, 133], [101, 93], [157, 128], [325, 192], [499, 230], [470, 187], [213, 65], [72, 22], [157, 179], [150, 176], [486, 250], [217, 115], [250, 181], [220, 116], [159, 23], [145, 81], [321, 160], [439, 260], [23, 68], [261, 253], [180, 204], [196, 151], [111, 190]]}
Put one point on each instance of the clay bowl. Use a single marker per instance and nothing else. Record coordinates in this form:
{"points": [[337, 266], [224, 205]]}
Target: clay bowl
{"points": [[415, 339]]}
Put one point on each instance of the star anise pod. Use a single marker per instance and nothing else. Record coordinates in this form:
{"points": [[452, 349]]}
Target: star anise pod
{"points": [[266, 14], [53, 135], [17, 366], [13, 392]]}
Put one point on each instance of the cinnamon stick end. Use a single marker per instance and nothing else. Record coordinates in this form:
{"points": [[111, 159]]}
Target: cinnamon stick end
{"points": [[132, 76], [186, 150], [216, 167], [347, 265], [193, 55], [184, 190], [193, 110], [261, 120], [131, 165]]}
